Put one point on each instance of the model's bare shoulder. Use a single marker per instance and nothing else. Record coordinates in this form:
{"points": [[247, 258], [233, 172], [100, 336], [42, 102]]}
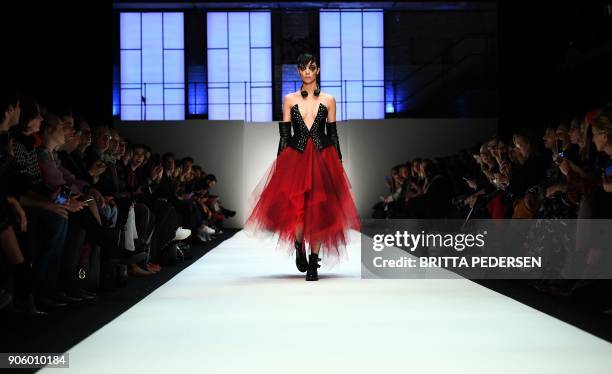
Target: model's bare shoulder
{"points": [[288, 103], [328, 100], [330, 103]]}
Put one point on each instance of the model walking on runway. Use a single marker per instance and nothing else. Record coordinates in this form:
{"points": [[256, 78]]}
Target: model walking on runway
{"points": [[305, 196]]}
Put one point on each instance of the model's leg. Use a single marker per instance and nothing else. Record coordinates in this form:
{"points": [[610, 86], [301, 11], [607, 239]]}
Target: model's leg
{"points": [[314, 248], [299, 232], [300, 251]]}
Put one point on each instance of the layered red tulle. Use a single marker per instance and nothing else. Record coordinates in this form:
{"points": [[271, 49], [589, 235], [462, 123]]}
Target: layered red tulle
{"points": [[310, 187]]}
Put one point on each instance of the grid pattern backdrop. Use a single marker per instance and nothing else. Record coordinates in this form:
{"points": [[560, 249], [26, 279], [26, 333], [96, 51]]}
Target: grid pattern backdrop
{"points": [[152, 78], [239, 65], [352, 61], [238, 76]]}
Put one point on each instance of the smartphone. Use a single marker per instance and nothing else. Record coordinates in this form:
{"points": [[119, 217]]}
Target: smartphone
{"points": [[562, 154], [559, 146], [64, 194], [608, 172]]}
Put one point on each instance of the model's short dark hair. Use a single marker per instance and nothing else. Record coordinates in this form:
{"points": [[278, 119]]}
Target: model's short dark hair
{"points": [[306, 58]]}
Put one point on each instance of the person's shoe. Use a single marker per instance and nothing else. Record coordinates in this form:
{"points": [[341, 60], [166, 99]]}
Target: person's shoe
{"points": [[182, 234], [62, 297], [27, 305], [48, 304], [124, 256], [153, 266], [313, 265], [300, 256], [88, 293], [137, 271], [206, 229], [81, 294], [152, 269]]}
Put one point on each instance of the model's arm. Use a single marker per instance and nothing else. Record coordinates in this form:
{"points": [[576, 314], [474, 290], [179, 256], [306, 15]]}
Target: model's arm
{"points": [[332, 132], [284, 127]]}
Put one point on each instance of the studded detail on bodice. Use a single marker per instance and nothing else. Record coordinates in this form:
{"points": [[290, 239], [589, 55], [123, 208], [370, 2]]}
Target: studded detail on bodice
{"points": [[301, 132]]}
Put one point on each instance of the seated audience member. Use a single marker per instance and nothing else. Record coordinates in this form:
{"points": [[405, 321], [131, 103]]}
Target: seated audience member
{"points": [[53, 136], [13, 218]]}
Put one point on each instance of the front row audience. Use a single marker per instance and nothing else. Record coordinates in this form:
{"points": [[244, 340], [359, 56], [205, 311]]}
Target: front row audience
{"points": [[566, 172], [68, 188]]}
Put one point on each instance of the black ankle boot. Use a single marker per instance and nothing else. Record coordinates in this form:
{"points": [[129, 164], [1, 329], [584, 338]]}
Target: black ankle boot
{"points": [[313, 265], [300, 257]]}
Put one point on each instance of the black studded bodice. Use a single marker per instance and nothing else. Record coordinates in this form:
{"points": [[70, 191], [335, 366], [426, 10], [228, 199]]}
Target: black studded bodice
{"points": [[301, 132], [316, 131]]}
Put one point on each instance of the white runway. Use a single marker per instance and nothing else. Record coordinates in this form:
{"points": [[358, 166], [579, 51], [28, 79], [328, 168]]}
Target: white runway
{"points": [[244, 308]]}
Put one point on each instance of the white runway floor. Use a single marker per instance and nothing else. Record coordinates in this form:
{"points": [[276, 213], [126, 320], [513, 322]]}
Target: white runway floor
{"points": [[244, 308]]}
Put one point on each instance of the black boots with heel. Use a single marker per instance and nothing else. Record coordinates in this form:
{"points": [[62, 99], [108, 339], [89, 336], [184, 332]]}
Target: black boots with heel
{"points": [[313, 265], [300, 257]]}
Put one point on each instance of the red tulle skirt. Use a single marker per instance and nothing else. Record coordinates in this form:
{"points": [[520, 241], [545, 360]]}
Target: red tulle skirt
{"points": [[310, 188]]}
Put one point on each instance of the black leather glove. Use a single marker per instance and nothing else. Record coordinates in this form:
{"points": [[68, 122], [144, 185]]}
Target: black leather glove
{"points": [[284, 128], [332, 132]]}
